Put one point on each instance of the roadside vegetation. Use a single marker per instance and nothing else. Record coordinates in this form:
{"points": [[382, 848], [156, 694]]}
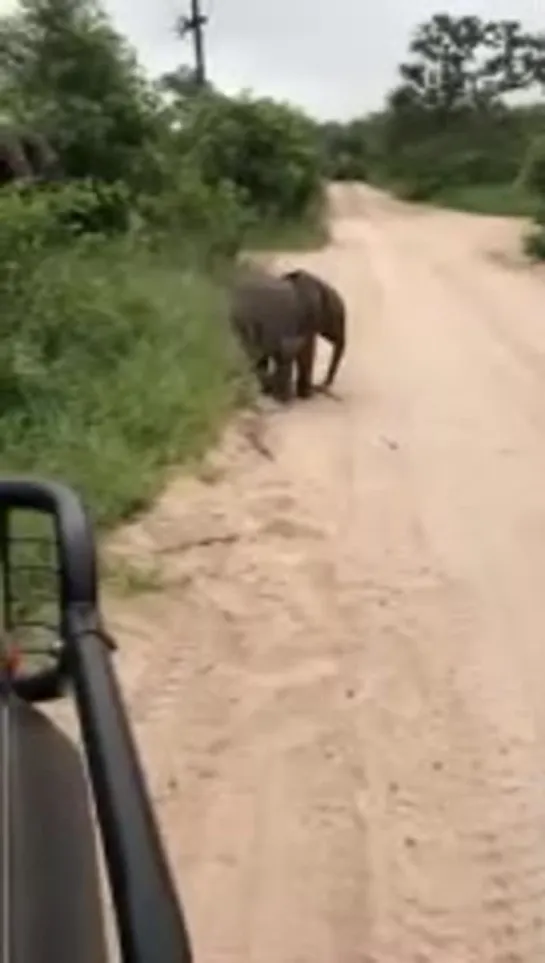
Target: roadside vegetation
{"points": [[465, 126], [115, 355]]}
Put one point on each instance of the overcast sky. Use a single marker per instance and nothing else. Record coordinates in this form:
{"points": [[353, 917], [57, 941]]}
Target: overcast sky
{"points": [[336, 58]]}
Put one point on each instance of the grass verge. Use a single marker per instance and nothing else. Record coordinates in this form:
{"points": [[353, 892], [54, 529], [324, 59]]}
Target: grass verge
{"points": [[504, 200], [115, 365]]}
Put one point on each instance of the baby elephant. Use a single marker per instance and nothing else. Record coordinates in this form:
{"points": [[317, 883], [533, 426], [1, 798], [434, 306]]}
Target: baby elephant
{"points": [[271, 320], [325, 315]]}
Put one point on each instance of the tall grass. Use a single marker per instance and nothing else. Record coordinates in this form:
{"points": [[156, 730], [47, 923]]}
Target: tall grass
{"points": [[114, 363]]}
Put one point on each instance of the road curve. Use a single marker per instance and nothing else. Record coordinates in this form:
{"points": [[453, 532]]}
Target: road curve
{"points": [[340, 689]]}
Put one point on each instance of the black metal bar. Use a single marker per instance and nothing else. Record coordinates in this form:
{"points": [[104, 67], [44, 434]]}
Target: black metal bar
{"points": [[150, 920], [151, 926], [6, 573]]}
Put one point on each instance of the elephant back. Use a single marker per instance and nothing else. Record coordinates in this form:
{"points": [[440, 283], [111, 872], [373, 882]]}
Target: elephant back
{"points": [[26, 155], [265, 311]]}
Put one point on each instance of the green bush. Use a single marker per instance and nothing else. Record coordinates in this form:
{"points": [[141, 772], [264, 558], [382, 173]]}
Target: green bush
{"points": [[346, 149], [534, 240], [532, 179], [466, 154], [503, 200], [267, 151], [207, 164], [532, 174], [68, 71], [197, 219], [112, 364], [534, 244], [116, 358]]}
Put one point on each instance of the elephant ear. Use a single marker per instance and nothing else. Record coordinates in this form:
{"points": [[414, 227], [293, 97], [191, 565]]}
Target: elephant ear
{"points": [[310, 293], [43, 159], [13, 160]]}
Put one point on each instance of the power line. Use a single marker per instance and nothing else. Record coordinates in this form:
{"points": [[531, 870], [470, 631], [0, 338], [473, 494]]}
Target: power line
{"points": [[195, 24]]}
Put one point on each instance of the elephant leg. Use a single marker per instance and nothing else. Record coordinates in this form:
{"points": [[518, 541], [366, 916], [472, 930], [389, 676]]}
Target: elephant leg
{"points": [[281, 380], [305, 365]]}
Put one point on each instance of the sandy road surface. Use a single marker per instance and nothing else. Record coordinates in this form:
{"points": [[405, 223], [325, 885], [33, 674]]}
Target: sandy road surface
{"points": [[340, 693]]}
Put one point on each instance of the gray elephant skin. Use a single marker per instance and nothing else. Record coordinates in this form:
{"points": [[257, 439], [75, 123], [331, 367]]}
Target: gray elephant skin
{"points": [[278, 319], [25, 155], [270, 320], [325, 315]]}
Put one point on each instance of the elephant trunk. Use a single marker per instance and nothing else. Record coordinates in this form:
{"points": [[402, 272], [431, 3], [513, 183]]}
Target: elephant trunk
{"points": [[336, 358]]}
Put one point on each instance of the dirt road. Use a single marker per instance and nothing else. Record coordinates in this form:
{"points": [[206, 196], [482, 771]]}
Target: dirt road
{"points": [[340, 691]]}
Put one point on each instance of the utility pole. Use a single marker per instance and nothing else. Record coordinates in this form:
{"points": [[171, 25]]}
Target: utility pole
{"points": [[195, 24]]}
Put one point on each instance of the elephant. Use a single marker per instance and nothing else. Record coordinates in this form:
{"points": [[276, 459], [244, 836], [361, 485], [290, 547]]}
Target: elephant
{"points": [[270, 319], [25, 155], [44, 160], [325, 315]]}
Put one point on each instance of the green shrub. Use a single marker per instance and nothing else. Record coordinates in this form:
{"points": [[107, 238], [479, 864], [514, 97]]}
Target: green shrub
{"points": [[532, 174], [113, 364], [534, 244], [116, 358], [534, 241], [268, 151], [346, 149], [503, 200], [195, 218], [72, 74]]}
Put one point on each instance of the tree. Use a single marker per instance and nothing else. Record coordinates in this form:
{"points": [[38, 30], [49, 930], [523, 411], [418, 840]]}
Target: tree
{"points": [[450, 121], [461, 63], [346, 149], [182, 83], [26, 156], [64, 69], [268, 151]]}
